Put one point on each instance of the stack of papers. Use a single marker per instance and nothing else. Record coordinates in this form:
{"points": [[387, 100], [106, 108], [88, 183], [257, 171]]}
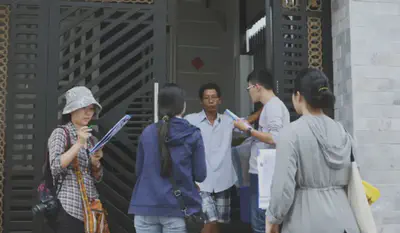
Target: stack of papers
{"points": [[113, 131], [266, 166]]}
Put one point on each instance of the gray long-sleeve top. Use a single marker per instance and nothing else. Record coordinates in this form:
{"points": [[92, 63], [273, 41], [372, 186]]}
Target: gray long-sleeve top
{"points": [[308, 192]]}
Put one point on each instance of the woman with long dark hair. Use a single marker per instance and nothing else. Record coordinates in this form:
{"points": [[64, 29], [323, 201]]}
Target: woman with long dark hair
{"points": [[80, 208], [172, 148], [312, 170]]}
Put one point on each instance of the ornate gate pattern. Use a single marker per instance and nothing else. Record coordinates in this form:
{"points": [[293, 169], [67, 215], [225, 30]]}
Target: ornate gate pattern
{"points": [[115, 49], [25, 115], [302, 38], [111, 50]]}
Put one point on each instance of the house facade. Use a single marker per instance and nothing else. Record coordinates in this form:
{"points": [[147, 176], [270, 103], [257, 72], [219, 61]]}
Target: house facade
{"points": [[124, 49], [366, 61]]}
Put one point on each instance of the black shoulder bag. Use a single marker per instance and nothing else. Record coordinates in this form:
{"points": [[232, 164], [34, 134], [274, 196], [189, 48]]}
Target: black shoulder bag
{"points": [[49, 189], [194, 222]]}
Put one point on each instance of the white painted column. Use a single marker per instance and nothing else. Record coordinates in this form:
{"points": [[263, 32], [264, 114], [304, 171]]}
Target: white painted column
{"points": [[156, 86], [366, 54]]}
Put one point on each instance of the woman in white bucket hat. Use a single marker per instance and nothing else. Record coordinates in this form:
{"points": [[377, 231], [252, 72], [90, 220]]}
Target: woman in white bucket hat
{"points": [[80, 210]]}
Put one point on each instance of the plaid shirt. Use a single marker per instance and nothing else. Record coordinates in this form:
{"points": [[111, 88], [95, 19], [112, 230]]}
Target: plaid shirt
{"points": [[69, 195]]}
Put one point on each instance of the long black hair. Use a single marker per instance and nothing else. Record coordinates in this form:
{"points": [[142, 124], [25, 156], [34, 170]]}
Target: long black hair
{"points": [[314, 86], [171, 102]]}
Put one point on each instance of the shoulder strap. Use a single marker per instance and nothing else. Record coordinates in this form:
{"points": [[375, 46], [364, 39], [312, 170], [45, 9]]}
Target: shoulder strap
{"points": [[59, 183], [176, 191], [352, 155], [67, 146], [178, 195], [68, 143], [351, 150]]}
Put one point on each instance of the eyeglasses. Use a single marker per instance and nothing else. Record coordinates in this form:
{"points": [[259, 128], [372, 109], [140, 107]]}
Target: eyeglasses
{"points": [[249, 87], [213, 98]]}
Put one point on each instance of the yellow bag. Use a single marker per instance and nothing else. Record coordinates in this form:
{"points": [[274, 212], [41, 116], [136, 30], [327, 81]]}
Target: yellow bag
{"points": [[372, 192]]}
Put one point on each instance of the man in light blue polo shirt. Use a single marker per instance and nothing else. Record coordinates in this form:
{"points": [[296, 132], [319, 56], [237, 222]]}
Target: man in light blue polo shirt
{"points": [[216, 130]]}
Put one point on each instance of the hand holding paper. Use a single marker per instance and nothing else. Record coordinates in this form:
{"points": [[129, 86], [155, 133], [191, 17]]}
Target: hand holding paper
{"points": [[242, 125], [239, 123], [96, 157], [113, 131]]}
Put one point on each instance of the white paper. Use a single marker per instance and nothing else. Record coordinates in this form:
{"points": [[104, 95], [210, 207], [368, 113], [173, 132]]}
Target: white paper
{"points": [[235, 117], [111, 133], [266, 165]]}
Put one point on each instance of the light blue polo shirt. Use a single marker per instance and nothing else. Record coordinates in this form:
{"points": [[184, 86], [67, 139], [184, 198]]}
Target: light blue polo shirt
{"points": [[218, 147]]}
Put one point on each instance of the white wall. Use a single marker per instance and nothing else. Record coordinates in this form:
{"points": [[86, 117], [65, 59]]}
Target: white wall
{"points": [[208, 33], [366, 45]]}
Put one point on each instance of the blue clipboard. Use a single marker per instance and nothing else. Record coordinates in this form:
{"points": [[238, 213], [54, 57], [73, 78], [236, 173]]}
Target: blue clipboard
{"points": [[111, 133]]}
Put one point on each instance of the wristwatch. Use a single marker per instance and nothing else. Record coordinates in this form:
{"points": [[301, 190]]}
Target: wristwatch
{"points": [[248, 132]]}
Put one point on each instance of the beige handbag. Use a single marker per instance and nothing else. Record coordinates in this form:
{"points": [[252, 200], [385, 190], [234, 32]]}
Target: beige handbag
{"points": [[358, 200]]}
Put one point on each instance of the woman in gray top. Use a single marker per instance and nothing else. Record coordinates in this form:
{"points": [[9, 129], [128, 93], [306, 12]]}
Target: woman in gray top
{"points": [[308, 193]]}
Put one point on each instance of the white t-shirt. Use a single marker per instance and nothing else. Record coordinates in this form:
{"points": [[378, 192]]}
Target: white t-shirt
{"points": [[273, 118]]}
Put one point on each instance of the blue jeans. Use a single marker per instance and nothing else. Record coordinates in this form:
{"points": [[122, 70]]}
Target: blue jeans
{"points": [[257, 216], [154, 224]]}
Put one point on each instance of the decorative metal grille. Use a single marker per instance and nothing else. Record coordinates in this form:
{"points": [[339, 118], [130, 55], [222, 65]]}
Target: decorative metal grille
{"points": [[257, 49], [301, 39], [291, 4], [314, 26], [25, 115], [116, 50], [4, 40], [112, 51], [314, 5]]}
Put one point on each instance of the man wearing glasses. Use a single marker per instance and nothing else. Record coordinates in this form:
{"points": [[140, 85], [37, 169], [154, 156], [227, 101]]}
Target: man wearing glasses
{"points": [[216, 130], [273, 117]]}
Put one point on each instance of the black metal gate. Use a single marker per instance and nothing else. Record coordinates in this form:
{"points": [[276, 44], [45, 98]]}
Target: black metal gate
{"points": [[297, 35], [115, 49]]}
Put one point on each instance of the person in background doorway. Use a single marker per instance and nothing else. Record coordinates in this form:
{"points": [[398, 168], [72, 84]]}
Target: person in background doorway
{"points": [[273, 117], [153, 202], [313, 166], [216, 130]]}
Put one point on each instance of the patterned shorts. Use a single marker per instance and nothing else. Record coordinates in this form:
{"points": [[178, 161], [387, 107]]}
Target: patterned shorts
{"points": [[217, 206]]}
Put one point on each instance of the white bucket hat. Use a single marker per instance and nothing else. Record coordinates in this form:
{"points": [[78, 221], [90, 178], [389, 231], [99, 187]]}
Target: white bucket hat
{"points": [[80, 97]]}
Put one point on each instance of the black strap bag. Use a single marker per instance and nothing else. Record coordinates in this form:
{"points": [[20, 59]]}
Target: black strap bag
{"points": [[48, 190], [194, 222]]}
